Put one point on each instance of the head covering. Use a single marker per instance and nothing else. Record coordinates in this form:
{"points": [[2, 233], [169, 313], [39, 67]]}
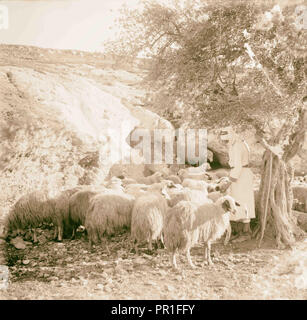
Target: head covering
{"points": [[228, 133]]}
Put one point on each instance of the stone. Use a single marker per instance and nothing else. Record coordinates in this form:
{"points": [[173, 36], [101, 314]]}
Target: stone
{"points": [[300, 194], [18, 243], [301, 219]]}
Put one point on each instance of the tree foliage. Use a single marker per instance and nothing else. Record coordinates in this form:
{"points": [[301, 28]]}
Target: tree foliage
{"points": [[201, 71]]}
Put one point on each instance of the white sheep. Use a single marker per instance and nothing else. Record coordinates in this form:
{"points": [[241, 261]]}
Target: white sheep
{"points": [[196, 173], [127, 181], [218, 222], [174, 178], [217, 174], [61, 212], [187, 194], [196, 185], [147, 218], [107, 214], [159, 186], [221, 184], [179, 232], [30, 211], [188, 223], [156, 177], [136, 189], [115, 184], [214, 195], [78, 206], [183, 174]]}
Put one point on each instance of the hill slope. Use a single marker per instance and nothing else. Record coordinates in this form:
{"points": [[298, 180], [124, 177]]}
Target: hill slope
{"points": [[60, 114]]}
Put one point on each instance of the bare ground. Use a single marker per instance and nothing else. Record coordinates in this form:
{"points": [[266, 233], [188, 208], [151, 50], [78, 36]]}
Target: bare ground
{"points": [[70, 270]]}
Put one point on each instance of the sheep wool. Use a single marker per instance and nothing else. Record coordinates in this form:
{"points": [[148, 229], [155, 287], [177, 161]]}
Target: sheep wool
{"points": [[179, 232], [61, 212], [214, 195], [29, 211], [136, 189], [108, 214], [196, 196], [147, 218], [174, 178], [156, 177], [196, 185], [78, 206], [213, 220]]}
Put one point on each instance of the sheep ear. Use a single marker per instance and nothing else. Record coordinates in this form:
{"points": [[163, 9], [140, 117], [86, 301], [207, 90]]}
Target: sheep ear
{"points": [[208, 176], [166, 195], [237, 204], [226, 205], [172, 185]]}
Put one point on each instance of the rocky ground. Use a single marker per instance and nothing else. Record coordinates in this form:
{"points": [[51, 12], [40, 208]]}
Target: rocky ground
{"points": [[70, 270]]}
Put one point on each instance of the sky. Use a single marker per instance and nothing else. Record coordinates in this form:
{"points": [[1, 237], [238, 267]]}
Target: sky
{"points": [[61, 24]]}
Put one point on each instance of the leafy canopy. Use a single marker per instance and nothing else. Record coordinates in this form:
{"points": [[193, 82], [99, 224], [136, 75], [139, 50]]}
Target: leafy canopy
{"points": [[215, 63]]}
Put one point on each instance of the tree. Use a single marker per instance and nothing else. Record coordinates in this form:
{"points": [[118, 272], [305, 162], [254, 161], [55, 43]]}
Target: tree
{"points": [[241, 59]]}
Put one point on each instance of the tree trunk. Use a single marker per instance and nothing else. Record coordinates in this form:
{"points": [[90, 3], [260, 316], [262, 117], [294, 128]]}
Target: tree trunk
{"points": [[275, 202], [275, 198]]}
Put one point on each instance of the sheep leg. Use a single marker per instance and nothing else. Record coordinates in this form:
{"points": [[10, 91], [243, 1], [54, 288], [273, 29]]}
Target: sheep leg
{"points": [[189, 259], [162, 241], [34, 236], [55, 235], [209, 253], [59, 232], [73, 234], [107, 247], [173, 260], [228, 234], [207, 257], [150, 244], [206, 253], [136, 248]]}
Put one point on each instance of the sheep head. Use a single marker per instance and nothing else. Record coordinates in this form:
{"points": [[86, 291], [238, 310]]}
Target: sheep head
{"points": [[223, 184], [228, 204], [165, 193]]}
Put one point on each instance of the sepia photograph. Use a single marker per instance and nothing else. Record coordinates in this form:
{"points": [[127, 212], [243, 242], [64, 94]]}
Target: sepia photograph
{"points": [[153, 150]]}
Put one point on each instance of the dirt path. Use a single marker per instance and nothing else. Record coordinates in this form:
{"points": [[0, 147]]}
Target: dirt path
{"points": [[70, 271]]}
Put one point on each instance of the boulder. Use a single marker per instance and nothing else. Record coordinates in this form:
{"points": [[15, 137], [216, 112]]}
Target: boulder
{"points": [[19, 243], [220, 151], [301, 219], [300, 197]]}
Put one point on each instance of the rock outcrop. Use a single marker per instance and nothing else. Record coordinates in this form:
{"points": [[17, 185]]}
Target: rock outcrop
{"points": [[58, 130]]}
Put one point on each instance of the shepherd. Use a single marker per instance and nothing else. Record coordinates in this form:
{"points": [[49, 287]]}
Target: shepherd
{"points": [[241, 177]]}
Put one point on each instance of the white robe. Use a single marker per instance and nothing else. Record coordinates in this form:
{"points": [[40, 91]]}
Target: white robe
{"points": [[242, 189]]}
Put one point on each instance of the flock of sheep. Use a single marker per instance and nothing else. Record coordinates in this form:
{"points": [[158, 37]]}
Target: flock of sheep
{"points": [[181, 210]]}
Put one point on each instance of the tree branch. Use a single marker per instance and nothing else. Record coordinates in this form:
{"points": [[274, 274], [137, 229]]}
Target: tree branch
{"points": [[296, 140]]}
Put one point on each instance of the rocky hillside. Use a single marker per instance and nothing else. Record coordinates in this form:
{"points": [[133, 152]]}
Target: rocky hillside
{"points": [[59, 110]]}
